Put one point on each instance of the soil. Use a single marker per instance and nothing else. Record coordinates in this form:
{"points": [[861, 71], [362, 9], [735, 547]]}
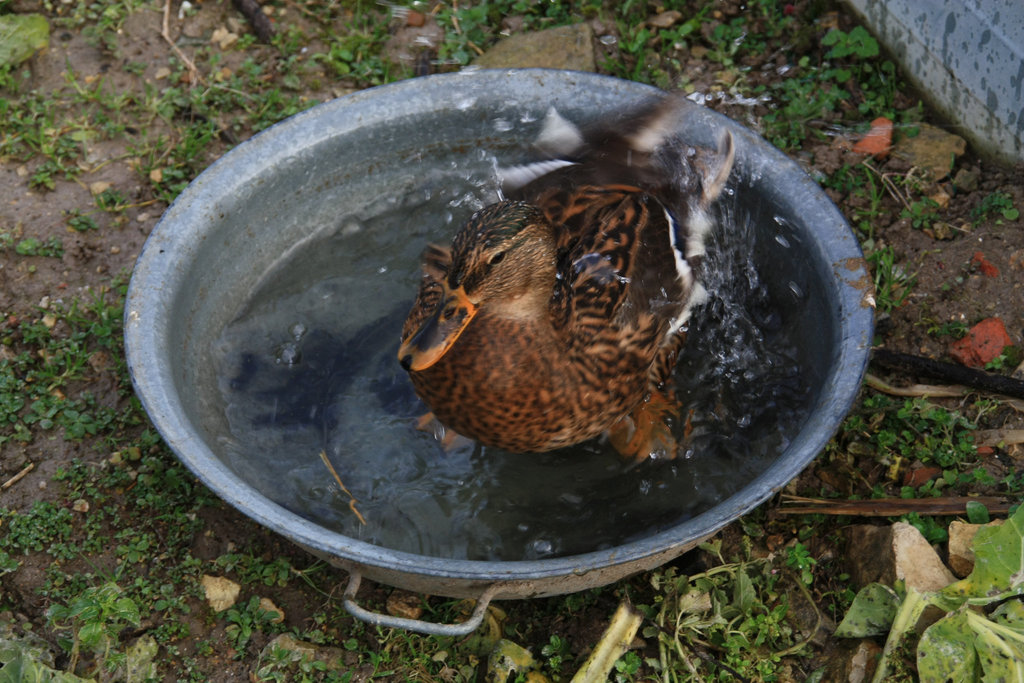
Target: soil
{"points": [[951, 286]]}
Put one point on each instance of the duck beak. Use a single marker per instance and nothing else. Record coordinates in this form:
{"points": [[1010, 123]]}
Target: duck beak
{"points": [[435, 336]]}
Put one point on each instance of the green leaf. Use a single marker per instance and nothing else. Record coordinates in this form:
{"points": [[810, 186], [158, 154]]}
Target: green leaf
{"points": [[977, 513], [1000, 650], [946, 650], [998, 564], [871, 613], [21, 36], [1010, 614]]}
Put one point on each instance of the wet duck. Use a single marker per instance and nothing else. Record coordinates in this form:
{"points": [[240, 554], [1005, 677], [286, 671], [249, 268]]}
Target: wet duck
{"points": [[557, 313]]}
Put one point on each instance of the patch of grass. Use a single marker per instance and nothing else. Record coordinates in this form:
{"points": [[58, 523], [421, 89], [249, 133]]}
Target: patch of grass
{"points": [[892, 283]]}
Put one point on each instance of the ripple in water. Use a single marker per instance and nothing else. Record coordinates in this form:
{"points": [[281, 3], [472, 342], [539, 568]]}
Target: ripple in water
{"points": [[310, 366]]}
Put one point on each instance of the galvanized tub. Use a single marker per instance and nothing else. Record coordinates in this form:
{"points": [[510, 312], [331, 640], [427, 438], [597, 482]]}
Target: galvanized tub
{"points": [[233, 223]]}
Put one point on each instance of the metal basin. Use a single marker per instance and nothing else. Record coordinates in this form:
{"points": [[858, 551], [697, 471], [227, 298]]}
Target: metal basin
{"points": [[234, 222]]}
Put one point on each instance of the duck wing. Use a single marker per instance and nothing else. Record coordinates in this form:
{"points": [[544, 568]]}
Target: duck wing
{"points": [[436, 262]]}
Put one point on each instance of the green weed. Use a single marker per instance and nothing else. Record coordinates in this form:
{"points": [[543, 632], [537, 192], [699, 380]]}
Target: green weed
{"points": [[922, 213], [998, 203], [892, 284], [738, 610], [95, 619]]}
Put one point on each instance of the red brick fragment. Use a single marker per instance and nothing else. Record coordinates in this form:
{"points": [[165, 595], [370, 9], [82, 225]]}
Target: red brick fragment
{"points": [[984, 265], [982, 344], [920, 476], [878, 141]]}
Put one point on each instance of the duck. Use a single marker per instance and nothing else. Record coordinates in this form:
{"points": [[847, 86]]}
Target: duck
{"points": [[557, 313]]}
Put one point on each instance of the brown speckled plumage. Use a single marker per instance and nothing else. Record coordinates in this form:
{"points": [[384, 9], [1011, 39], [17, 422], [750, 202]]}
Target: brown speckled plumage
{"points": [[554, 314]]}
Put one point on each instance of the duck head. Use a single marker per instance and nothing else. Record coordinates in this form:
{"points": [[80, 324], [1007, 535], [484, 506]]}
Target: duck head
{"points": [[502, 264]]}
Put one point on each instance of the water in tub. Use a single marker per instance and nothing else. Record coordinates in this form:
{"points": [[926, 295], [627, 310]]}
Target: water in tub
{"points": [[309, 367]]}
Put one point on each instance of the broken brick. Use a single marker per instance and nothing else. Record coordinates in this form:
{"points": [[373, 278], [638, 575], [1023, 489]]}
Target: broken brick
{"points": [[984, 265], [982, 344]]}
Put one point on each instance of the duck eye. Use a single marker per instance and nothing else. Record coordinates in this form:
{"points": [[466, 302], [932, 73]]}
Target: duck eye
{"points": [[497, 258]]}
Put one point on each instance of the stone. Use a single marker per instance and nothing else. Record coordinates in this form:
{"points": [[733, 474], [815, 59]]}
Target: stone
{"points": [[885, 554], [562, 47], [267, 605], [961, 545], [404, 604], [932, 149], [853, 664], [665, 19], [966, 179], [331, 657], [220, 592]]}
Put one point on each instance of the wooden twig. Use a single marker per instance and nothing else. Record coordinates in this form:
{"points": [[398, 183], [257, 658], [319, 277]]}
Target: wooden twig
{"points": [[351, 499], [193, 72], [892, 507], [259, 21], [948, 372], [17, 477]]}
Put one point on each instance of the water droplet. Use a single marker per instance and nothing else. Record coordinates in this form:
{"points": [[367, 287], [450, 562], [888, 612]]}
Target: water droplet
{"points": [[608, 40], [298, 330], [502, 125], [797, 291], [572, 499], [288, 354], [382, 269], [463, 105], [782, 240], [542, 546]]}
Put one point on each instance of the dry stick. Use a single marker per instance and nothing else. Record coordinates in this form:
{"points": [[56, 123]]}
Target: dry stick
{"points": [[892, 507], [351, 499], [259, 21], [193, 72], [17, 477], [916, 390], [954, 374]]}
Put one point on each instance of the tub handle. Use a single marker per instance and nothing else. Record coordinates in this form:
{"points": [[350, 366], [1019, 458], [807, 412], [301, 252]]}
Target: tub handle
{"points": [[416, 625]]}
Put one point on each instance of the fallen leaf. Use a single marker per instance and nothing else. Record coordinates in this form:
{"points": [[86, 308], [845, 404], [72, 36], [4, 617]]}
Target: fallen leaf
{"points": [[21, 36]]}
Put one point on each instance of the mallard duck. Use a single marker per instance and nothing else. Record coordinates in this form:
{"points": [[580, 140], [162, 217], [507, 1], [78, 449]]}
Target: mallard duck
{"points": [[557, 313]]}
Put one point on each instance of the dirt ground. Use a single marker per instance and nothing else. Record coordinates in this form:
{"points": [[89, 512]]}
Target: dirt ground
{"points": [[970, 268]]}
